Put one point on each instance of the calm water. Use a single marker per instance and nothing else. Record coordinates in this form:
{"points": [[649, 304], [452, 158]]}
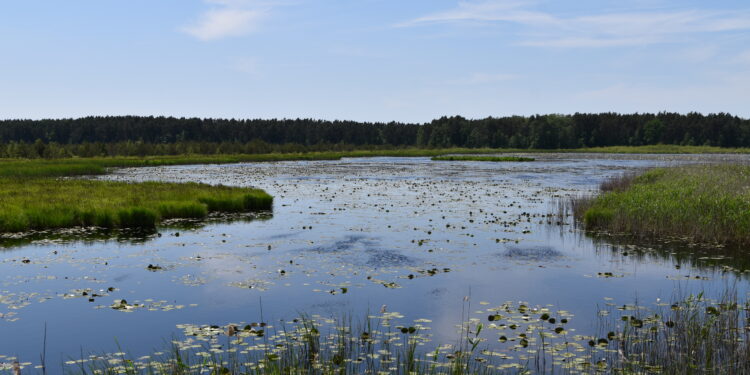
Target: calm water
{"points": [[347, 237]]}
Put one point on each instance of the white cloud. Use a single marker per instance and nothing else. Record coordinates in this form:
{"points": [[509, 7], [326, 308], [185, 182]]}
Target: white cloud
{"points": [[597, 30], [221, 23], [229, 18], [484, 78]]}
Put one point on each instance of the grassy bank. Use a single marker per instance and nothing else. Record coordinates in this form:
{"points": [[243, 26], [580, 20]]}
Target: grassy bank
{"points": [[482, 158], [99, 165], [662, 149], [46, 203], [703, 203]]}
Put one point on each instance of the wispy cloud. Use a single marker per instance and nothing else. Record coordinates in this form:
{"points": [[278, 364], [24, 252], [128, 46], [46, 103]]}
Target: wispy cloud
{"points": [[483, 78], [229, 18], [538, 28]]}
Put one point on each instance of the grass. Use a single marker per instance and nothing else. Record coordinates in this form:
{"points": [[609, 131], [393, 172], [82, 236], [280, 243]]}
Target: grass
{"points": [[99, 165], [662, 149], [699, 203], [481, 158], [46, 203]]}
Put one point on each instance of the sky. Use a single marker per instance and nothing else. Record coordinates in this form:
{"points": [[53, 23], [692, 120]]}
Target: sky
{"points": [[372, 60]]}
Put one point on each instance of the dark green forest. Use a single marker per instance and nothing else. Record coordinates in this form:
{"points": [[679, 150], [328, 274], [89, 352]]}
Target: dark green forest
{"points": [[133, 135]]}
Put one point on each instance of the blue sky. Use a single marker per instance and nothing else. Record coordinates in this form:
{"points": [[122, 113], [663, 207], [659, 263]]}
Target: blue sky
{"points": [[372, 60]]}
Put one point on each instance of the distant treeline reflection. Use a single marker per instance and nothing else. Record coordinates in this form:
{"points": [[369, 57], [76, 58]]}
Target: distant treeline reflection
{"points": [[138, 136]]}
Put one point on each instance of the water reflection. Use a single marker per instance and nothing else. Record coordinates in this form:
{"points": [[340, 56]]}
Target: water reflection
{"points": [[92, 236]]}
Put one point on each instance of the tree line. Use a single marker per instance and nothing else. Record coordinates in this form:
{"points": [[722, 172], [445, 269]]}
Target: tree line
{"points": [[134, 135]]}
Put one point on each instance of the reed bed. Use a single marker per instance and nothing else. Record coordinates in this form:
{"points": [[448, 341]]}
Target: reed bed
{"points": [[694, 335], [700, 203], [49, 203]]}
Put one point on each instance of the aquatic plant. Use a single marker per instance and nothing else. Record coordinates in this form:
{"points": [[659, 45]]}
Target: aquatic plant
{"points": [[705, 203], [47, 203], [690, 335]]}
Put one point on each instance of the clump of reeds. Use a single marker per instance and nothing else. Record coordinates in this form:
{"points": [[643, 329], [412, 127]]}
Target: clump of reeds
{"points": [[692, 335], [702, 203], [47, 203]]}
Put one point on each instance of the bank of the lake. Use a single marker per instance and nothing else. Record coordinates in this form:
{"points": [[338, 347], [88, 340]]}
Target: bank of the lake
{"points": [[98, 165], [704, 203]]}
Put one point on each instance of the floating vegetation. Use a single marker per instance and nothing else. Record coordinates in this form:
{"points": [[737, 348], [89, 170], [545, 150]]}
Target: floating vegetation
{"points": [[149, 305], [509, 338], [512, 338], [256, 284], [387, 284], [481, 158]]}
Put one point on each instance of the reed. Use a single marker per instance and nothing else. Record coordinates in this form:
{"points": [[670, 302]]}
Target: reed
{"points": [[703, 203], [49, 203], [690, 335]]}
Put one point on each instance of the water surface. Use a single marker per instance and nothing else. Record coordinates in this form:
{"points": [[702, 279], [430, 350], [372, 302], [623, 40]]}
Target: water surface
{"points": [[345, 238]]}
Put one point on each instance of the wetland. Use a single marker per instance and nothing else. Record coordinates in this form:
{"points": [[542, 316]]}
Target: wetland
{"points": [[432, 247]]}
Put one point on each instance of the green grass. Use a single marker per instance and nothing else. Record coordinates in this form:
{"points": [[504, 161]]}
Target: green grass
{"points": [[47, 203], [701, 203], [481, 158], [99, 165], [662, 149]]}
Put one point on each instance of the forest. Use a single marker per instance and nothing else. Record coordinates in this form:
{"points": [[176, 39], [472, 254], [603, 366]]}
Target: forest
{"points": [[134, 135]]}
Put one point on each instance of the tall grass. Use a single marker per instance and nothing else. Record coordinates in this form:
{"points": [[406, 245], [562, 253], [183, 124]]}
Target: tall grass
{"points": [[703, 203], [47, 203], [691, 335]]}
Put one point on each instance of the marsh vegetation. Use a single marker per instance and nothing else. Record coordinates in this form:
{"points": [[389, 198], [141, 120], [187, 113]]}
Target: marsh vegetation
{"points": [[704, 203], [44, 203]]}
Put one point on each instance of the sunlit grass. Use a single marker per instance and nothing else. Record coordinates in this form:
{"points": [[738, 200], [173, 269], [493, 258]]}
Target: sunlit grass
{"points": [[705, 203], [46, 203]]}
